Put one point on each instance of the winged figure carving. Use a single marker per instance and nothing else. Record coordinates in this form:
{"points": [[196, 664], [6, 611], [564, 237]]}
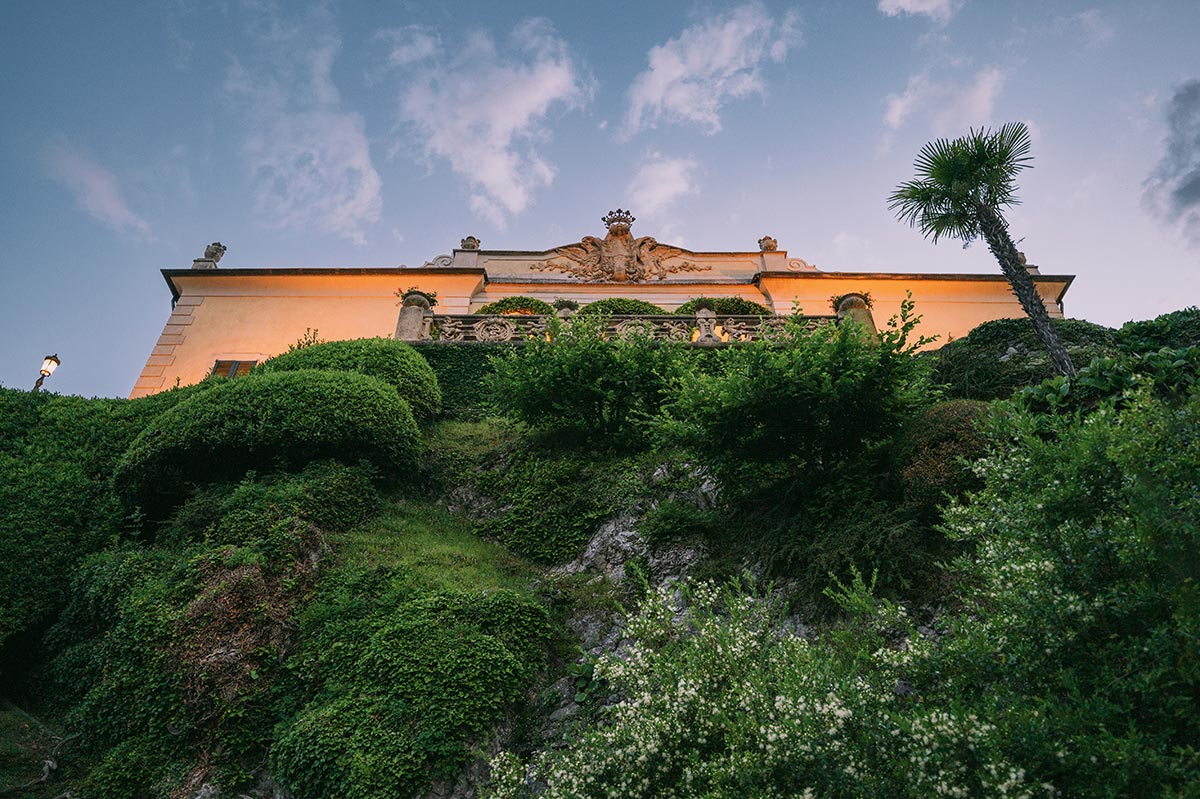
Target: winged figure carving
{"points": [[619, 256]]}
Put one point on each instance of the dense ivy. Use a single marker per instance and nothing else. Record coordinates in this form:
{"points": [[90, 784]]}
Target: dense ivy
{"points": [[462, 371], [393, 362]]}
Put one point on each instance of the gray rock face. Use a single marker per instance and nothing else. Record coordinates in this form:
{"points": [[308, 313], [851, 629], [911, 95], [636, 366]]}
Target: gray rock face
{"points": [[617, 542]]}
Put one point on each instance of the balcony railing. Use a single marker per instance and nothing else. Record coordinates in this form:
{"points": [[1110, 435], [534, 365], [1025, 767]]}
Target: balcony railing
{"points": [[705, 328]]}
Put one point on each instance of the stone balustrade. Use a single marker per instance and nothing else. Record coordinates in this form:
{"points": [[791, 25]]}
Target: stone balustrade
{"points": [[705, 328]]}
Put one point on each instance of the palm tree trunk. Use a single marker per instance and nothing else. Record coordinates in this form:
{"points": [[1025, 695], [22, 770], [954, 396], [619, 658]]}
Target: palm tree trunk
{"points": [[995, 232]]}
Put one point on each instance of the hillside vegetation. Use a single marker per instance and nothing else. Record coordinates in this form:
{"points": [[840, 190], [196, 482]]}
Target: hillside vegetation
{"points": [[816, 566]]}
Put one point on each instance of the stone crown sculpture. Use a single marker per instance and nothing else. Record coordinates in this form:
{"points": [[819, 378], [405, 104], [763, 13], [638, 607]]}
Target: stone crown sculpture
{"points": [[618, 218], [214, 251]]}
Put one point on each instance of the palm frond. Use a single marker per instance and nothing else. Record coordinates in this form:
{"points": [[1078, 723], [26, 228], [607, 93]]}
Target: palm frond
{"points": [[955, 177]]}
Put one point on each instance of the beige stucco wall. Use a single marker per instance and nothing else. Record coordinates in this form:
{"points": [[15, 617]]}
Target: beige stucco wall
{"points": [[245, 316], [252, 315]]}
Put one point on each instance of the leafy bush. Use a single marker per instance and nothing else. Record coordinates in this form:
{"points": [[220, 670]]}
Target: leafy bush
{"points": [[393, 362], [798, 431], [174, 654], [723, 305], [718, 702], [1003, 355], [1175, 330], [517, 305], [403, 683], [1166, 373], [262, 421], [56, 503], [620, 306], [581, 384], [936, 450]]}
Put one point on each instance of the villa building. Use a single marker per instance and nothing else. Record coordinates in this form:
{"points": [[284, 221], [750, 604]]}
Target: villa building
{"points": [[229, 319]]}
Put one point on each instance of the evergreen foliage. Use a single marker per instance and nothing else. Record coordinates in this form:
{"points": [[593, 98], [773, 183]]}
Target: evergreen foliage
{"points": [[620, 306], [583, 385], [393, 362], [1175, 330], [723, 305], [517, 305], [1000, 356], [265, 421]]}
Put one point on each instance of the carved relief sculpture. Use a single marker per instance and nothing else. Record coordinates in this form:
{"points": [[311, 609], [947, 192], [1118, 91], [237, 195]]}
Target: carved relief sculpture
{"points": [[619, 257]]}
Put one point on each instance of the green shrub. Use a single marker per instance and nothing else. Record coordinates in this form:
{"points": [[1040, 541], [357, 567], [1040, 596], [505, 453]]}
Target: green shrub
{"points": [[1003, 355], [56, 505], [1174, 330], [798, 431], [462, 371], [724, 305], [393, 362], [1166, 373], [620, 306], [404, 683], [264, 421], [583, 385], [936, 450], [517, 305]]}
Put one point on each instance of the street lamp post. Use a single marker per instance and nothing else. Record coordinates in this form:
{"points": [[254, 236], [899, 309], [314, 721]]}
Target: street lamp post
{"points": [[49, 364]]}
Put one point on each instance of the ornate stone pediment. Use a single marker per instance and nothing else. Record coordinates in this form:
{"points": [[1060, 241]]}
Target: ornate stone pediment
{"points": [[619, 257]]}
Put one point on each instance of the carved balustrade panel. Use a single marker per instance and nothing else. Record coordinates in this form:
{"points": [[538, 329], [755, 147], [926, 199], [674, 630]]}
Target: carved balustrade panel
{"points": [[662, 327]]}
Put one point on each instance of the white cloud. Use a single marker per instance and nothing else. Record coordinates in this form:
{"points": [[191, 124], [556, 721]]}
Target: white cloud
{"points": [[716, 60], [484, 111], [310, 159], [96, 189], [953, 107], [1097, 31], [659, 182], [410, 44], [938, 10]]}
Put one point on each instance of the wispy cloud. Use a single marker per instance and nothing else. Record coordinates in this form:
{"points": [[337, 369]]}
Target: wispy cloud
{"points": [[1173, 189], [95, 188], [661, 181], [937, 10], [1095, 28], [951, 106], [485, 109], [691, 77], [310, 158]]}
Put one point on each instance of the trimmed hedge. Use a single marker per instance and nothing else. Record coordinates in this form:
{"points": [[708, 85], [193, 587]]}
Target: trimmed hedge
{"points": [[1003, 355], [265, 421], [391, 361], [517, 305], [620, 306], [724, 305], [462, 371]]}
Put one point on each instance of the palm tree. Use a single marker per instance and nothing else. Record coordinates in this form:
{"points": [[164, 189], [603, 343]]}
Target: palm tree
{"points": [[960, 189]]}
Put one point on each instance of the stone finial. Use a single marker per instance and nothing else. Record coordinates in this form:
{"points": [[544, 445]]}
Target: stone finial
{"points": [[214, 251], [1030, 268], [768, 244], [470, 243]]}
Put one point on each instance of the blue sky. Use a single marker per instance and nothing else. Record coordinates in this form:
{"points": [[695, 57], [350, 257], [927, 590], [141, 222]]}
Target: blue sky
{"points": [[381, 133]]}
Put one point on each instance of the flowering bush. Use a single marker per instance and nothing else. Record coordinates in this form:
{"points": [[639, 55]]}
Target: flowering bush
{"points": [[717, 702]]}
